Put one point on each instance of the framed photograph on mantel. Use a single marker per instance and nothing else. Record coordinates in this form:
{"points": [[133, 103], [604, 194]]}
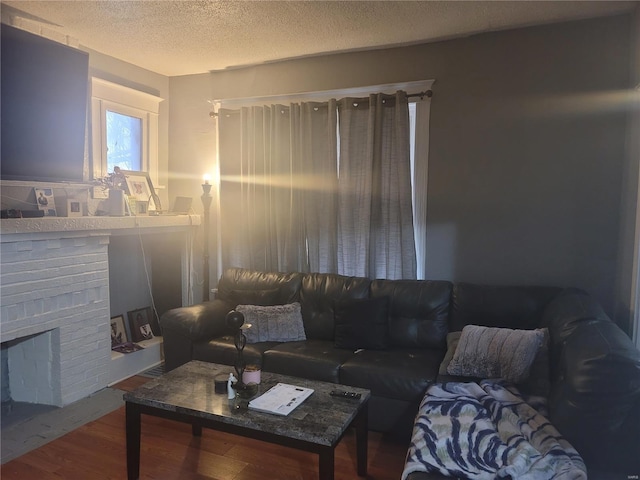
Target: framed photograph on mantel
{"points": [[45, 201], [140, 187], [140, 324]]}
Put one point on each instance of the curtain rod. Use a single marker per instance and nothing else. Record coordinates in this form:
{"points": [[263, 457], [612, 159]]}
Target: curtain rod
{"points": [[426, 93]]}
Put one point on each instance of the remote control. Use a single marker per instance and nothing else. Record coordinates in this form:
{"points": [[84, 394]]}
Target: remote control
{"points": [[343, 394]]}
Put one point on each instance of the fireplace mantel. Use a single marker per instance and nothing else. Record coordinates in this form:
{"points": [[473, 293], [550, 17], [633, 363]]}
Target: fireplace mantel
{"points": [[94, 225]]}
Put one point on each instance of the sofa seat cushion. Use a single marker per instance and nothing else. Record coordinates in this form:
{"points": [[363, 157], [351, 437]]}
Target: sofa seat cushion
{"points": [[222, 350], [312, 359], [403, 374]]}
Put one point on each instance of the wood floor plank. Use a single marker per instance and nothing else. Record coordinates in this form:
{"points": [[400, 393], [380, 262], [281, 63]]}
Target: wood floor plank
{"points": [[97, 451]]}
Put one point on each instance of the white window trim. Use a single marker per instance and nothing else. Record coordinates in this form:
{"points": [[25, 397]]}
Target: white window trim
{"points": [[127, 101]]}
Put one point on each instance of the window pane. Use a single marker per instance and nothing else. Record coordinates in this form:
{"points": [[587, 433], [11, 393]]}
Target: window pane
{"points": [[124, 135]]}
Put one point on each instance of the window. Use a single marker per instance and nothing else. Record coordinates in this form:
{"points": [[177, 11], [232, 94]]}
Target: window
{"points": [[124, 129], [124, 141]]}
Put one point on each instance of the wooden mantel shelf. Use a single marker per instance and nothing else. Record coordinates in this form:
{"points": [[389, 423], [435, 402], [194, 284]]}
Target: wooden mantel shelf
{"points": [[94, 225]]}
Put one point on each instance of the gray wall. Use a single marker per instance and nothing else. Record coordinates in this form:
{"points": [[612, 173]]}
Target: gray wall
{"points": [[527, 144]]}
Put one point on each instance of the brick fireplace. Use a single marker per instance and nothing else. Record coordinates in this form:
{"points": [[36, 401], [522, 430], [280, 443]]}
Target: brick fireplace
{"points": [[55, 309], [55, 300], [55, 312]]}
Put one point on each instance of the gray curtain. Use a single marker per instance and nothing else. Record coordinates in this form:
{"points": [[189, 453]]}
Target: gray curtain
{"points": [[375, 235], [278, 181], [288, 204], [318, 154]]}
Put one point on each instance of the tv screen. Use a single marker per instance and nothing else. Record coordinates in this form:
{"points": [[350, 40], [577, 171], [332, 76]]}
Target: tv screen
{"points": [[44, 107]]}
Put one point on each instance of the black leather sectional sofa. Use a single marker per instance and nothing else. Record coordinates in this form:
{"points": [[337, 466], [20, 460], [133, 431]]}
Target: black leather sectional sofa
{"points": [[594, 373]]}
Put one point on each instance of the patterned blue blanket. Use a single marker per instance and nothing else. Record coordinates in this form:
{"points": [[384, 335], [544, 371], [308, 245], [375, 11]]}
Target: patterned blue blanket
{"points": [[488, 431]]}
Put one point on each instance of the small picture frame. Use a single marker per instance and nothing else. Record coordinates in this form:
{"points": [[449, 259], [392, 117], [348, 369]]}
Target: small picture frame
{"points": [[142, 208], [118, 331], [74, 208], [140, 324]]}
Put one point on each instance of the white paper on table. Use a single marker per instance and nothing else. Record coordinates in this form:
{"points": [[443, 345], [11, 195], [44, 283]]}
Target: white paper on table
{"points": [[281, 399]]}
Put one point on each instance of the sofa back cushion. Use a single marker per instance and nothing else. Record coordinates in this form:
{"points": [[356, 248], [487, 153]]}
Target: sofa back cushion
{"points": [[239, 286], [418, 311], [362, 323], [320, 293], [495, 306]]}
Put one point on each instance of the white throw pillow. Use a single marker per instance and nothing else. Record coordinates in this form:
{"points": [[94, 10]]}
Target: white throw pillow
{"points": [[489, 352], [275, 323]]}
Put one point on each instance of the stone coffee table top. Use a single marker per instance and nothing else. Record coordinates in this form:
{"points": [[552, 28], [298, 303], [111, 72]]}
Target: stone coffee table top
{"points": [[321, 419]]}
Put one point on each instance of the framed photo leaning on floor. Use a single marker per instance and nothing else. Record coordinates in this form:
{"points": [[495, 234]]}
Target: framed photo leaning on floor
{"points": [[140, 324], [118, 331]]}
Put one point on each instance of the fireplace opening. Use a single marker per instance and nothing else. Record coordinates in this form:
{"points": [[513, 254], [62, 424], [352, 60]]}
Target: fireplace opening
{"points": [[7, 402], [28, 369]]}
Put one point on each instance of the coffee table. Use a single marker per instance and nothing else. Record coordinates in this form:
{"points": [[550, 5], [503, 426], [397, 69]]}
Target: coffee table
{"points": [[187, 394]]}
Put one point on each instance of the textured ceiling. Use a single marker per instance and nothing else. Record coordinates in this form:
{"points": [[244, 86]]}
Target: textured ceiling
{"points": [[188, 37]]}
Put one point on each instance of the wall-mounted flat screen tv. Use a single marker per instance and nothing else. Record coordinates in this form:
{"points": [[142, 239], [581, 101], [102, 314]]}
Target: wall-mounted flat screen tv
{"points": [[44, 108]]}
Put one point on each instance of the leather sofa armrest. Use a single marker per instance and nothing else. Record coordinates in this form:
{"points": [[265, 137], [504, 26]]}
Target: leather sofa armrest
{"points": [[196, 322], [184, 326], [595, 399]]}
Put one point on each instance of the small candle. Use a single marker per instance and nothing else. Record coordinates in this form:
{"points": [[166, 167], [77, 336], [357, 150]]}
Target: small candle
{"points": [[207, 178]]}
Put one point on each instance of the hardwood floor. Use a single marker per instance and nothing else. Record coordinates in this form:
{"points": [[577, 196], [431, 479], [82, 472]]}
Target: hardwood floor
{"points": [[96, 451]]}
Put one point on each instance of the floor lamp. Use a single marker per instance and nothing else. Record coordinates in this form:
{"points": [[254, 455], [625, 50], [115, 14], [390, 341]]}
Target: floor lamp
{"points": [[206, 203]]}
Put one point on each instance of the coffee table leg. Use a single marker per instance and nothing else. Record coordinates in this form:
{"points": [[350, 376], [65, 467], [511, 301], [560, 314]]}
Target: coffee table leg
{"points": [[327, 464], [362, 439], [196, 430], [133, 441]]}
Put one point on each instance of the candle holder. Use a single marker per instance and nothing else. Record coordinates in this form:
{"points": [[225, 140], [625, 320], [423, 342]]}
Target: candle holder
{"points": [[235, 321]]}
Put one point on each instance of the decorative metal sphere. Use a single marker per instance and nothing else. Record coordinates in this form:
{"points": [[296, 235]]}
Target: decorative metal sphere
{"points": [[235, 319]]}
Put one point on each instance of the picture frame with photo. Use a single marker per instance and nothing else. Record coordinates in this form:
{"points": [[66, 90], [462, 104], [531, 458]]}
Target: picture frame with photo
{"points": [[45, 201], [74, 208], [140, 187], [128, 347], [140, 324], [118, 331]]}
